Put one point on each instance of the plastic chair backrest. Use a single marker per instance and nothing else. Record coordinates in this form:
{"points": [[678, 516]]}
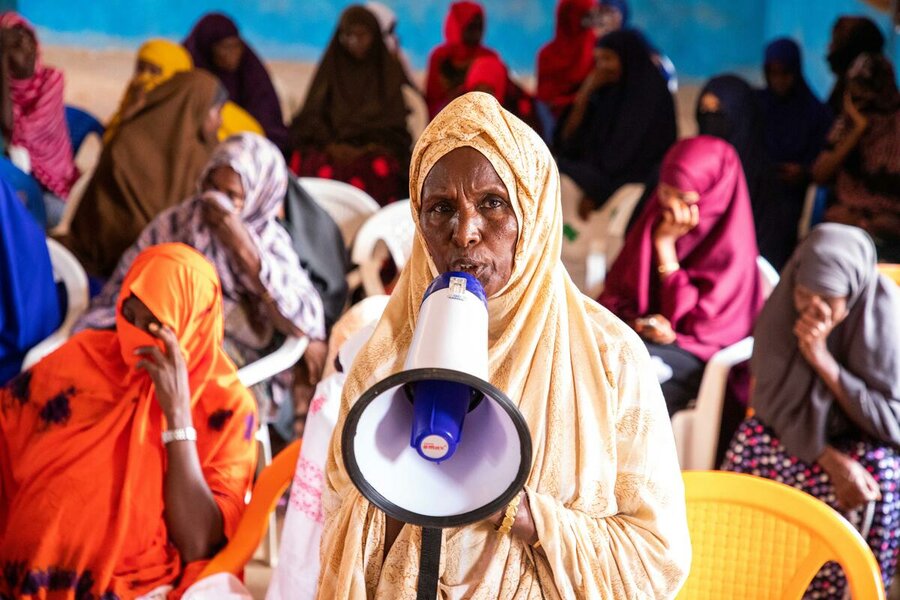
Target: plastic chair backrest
{"points": [[81, 123], [769, 275], [68, 270], [349, 206], [394, 227], [756, 538], [890, 271], [271, 484]]}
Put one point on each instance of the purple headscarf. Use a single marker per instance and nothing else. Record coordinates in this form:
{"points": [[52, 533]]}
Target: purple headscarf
{"points": [[249, 86], [713, 300]]}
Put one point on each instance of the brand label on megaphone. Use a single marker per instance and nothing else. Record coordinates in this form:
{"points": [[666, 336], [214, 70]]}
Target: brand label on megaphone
{"points": [[434, 447]]}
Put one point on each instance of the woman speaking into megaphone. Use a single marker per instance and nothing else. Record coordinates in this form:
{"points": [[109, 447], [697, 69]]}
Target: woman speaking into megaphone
{"points": [[601, 513]]}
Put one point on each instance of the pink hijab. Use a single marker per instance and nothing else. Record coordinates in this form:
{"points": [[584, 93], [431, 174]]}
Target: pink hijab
{"points": [[713, 300], [39, 119]]}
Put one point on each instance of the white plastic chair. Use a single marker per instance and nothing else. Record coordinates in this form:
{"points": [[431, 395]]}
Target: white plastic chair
{"points": [[597, 241], [392, 226], [697, 427], [68, 270], [617, 212], [349, 206], [290, 352]]}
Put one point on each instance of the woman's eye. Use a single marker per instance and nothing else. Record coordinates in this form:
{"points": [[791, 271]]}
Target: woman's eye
{"points": [[442, 208], [493, 202]]}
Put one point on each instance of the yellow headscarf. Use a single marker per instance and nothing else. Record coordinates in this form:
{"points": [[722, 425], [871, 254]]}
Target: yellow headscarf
{"points": [[236, 120], [169, 57], [604, 489]]}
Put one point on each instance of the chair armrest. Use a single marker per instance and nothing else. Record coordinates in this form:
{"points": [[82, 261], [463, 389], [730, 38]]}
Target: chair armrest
{"points": [[707, 410], [272, 364], [272, 483]]}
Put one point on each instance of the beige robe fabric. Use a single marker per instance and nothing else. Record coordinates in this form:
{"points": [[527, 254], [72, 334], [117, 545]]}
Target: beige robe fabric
{"points": [[605, 488]]}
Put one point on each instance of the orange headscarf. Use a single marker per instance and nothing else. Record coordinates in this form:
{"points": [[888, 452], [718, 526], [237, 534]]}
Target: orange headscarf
{"points": [[82, 464]]}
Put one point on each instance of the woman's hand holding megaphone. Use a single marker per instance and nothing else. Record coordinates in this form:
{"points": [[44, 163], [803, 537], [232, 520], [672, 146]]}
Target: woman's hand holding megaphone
{"points": [[523, 526]]}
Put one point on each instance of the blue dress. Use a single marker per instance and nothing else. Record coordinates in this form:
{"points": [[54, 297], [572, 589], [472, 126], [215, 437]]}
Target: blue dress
{"points": [[29, 306]]}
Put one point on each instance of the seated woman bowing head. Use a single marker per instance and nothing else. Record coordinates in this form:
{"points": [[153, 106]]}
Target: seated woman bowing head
{"points": [[826, 366], [127, 452], [602, 513], [686, 279], [232, 220]]}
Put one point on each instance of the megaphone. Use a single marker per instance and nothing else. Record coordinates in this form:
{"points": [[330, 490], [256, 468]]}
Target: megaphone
{"points": [[436, 445]]}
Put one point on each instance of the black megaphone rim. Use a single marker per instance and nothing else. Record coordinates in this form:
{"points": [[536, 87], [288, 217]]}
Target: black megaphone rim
{"points": [[348, 437]]}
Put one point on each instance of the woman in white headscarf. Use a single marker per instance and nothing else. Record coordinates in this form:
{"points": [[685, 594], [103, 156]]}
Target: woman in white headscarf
{"points": [[602, 514], [233, 221]]}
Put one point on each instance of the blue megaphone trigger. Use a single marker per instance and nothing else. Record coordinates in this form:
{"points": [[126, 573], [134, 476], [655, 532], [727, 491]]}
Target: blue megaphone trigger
{"points": [[439, 411]]}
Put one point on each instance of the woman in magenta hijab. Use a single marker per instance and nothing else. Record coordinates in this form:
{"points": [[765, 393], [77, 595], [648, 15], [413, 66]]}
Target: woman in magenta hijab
{"points": [[686, 279]]}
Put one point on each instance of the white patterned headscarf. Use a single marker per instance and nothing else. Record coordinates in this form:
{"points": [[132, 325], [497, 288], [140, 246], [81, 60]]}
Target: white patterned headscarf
{"points": [[263, 173], [264, 176]]}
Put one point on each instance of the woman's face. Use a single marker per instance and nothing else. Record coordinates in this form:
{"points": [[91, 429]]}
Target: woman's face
{"points": [[806, 300], [21, 47], [603, 20], [357, 39], [226, 180], [136, 312], [473, 32], [210, 128], [144, 70], [673, 200], [709, 103], [609, 65], [781, 80], [467, 219], [227, 53]]}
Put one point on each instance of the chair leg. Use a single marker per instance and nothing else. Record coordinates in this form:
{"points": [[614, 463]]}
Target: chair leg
{"points": [[269, 545]]}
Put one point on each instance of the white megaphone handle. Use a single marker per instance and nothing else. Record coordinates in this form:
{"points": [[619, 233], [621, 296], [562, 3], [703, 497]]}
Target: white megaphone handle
{"points": [[429, 564]]}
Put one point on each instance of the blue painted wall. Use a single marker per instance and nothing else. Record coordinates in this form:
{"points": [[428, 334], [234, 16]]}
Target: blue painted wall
{"points": [[702, 37]]}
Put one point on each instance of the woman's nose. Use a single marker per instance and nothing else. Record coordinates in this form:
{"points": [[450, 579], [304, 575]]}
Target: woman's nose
{"points": [[468, 229]]}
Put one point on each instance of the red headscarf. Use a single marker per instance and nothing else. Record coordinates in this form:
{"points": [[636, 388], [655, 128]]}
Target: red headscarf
{"points": [[438, 91], [713, 300], [488, 71], [565, 62], [39, 119]]}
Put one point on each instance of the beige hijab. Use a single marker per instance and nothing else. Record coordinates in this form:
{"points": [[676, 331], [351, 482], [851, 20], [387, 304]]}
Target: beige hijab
{"points": [[605, 487]]}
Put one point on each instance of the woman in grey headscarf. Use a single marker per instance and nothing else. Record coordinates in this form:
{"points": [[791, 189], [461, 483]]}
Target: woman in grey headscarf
{"points": [[233, 221], [826, 397]]}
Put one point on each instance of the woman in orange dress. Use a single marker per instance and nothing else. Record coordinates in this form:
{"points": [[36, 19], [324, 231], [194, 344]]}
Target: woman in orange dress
{"points": [[125, 455]]}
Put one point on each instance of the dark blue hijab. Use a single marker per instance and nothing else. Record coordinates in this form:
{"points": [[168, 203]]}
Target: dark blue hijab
{"points": [[627, 127], [29, 308], [795, 126]]}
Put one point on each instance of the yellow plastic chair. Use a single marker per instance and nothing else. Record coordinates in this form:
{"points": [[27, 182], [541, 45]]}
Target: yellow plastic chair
{"points": [[272, 483], [756, 538], [890, 271]]}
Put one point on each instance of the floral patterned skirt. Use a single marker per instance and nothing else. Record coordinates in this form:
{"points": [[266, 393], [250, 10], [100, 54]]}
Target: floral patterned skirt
{"points": [[756, 450]]}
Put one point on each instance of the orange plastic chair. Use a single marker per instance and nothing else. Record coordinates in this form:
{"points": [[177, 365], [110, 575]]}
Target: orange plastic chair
{"points": [[756, 538], [891, 271], [270, 486]]}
